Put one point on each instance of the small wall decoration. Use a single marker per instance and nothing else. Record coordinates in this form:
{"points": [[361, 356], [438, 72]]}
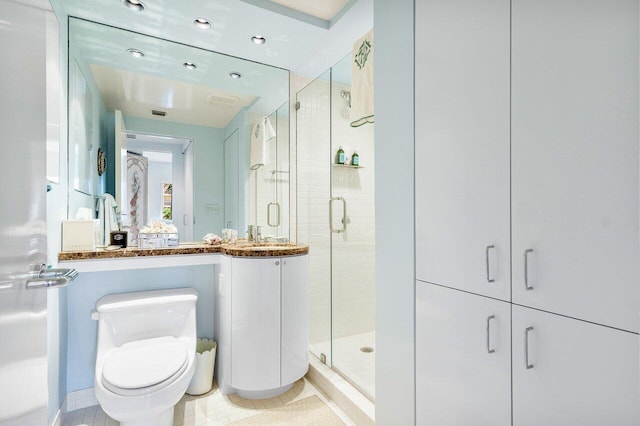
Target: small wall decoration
{"points": [[102, 162]]}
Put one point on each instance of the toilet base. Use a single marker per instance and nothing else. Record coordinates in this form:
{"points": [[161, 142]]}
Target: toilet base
{"points": [[164, 419]]}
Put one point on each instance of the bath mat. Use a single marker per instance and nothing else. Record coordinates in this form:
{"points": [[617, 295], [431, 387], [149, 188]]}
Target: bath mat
{"points": [[307, 411]]}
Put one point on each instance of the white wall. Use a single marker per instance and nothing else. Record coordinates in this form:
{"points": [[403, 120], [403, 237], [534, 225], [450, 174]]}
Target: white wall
{"points": [[395, 246]]}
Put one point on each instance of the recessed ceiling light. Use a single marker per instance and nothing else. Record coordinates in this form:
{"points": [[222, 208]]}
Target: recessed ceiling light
{"points": [[190, 65], [136, 5], [235, 74], [257, 39], [202, 23], [135, 53]]}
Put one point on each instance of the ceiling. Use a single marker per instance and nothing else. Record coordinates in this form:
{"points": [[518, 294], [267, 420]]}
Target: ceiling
{"points": [[300, 35]]}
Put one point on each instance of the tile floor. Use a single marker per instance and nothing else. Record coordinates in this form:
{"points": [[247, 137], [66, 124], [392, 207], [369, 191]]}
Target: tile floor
{"points": [[212, 408]]}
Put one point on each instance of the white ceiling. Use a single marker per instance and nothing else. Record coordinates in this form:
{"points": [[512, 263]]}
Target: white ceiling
{"points": [[305, 48], [136, 94], [325, 9]]}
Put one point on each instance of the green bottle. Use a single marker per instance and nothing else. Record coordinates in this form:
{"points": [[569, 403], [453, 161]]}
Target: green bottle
{"points": [[355, 159], [340, 156]]}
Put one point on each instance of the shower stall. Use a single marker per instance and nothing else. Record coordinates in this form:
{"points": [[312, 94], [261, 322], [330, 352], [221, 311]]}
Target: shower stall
{"points": [[269, 181], [335, 216]]}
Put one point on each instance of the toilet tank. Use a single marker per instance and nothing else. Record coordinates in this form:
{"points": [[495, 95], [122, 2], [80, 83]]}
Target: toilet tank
{"points": [[125, 317]]}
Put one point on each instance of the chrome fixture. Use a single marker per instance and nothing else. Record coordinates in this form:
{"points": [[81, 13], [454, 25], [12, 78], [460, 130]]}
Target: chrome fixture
{"points": [[136, 5], [39, 277], [346, 95], [135, 53], [202, 23]]}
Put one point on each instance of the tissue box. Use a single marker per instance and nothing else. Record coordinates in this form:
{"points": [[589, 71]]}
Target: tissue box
{"points": [[157, 240], [78, 235]]}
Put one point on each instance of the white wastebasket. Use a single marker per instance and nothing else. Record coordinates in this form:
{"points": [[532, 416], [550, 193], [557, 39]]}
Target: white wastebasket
{"points": [[202, 380]]}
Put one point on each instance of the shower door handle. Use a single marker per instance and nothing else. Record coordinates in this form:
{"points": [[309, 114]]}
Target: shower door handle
{"points": [[269, 214], [345, 218]]}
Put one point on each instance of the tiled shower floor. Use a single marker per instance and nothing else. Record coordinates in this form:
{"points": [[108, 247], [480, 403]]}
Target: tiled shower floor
{"points": [[212, 408]]}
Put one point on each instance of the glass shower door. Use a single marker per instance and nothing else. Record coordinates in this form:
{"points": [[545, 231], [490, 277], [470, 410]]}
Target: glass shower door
{"points": [[313, 175], [352, 239]]}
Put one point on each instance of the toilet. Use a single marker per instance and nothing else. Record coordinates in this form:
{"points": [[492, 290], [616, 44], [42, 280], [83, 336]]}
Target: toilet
{"points": [[145, 354]]}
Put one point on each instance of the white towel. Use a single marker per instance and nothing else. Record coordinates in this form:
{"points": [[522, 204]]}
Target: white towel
{"points": [[107, 206], [362, 81]]}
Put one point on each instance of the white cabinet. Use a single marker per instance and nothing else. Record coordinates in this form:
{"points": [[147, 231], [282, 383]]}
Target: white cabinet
{"points": [[527, 133], [295, 319], [462, 145], [262, 323], [575, 154], [463, 358], [580, 373], [255, 323]]}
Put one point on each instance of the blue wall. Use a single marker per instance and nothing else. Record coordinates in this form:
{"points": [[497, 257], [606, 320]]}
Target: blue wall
{"points": [[208, 167], [83, 294]]}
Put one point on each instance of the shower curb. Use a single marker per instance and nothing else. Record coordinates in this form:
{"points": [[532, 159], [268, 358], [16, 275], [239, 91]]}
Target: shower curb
{"points": [[351, 401]]}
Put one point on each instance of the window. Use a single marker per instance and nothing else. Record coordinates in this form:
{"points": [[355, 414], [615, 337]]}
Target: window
{"points": [[167, 193]]}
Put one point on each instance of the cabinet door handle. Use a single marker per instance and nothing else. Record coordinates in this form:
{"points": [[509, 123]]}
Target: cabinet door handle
{"points": [[489, 279], [527, 364], [489, 318], [526, 269], [277, 262]]}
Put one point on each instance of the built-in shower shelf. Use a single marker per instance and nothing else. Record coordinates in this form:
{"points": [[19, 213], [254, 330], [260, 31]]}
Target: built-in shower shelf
{"points": [[347, 166]]}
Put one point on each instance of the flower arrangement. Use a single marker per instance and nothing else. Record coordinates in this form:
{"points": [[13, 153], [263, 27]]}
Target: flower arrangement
{"points": [[212, 239]]}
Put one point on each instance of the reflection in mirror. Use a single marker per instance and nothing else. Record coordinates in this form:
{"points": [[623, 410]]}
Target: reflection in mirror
{"points": [[163, 123]]}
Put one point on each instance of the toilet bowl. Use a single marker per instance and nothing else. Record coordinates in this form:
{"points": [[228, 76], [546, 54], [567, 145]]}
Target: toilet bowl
{"points": [[145, 354]]}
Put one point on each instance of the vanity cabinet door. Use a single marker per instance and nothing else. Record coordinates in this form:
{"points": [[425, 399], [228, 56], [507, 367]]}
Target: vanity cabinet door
{"points": [[463, 358], [462, 145], [255, 323], [295, 318], [579, 373]]}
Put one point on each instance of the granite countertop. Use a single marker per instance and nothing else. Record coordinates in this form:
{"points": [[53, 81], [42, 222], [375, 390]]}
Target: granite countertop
{"points": [[241, 249]]}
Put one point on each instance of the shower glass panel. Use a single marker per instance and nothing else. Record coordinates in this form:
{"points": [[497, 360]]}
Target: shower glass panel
{"points": [[336, 218], [353, 249], [269, 182], [313, 192]]}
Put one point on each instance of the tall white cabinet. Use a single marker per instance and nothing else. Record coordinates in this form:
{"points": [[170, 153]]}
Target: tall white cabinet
{"points": [[527, 202]]}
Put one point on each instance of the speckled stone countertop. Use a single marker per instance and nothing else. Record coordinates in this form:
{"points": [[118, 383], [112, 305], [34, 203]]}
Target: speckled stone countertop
{"points": [[241, 249]]}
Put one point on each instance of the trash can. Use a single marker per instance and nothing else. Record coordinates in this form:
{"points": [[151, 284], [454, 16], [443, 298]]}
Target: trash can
{"points": [[202, 380]]}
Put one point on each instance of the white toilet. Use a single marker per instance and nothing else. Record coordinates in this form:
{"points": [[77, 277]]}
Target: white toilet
{"points": [[146, 354]]}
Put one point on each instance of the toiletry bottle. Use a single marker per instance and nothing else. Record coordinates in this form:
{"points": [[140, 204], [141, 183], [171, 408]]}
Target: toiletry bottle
{"points": [[340, 156], [355, 159]]}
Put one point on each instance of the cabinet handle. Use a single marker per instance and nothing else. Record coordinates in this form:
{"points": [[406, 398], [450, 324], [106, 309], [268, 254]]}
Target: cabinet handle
{"points": [[277, 262], [526, 269], [489, 279], [526, 348], [489, 318]]}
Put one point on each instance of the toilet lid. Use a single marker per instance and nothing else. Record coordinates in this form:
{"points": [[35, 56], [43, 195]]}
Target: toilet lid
{"points": [[144, 363]]}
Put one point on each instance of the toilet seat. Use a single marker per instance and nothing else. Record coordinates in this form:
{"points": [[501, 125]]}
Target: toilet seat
{"points": [[135, 368]]}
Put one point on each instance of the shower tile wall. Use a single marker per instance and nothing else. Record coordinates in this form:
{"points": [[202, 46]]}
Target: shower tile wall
{"points": [[353, 251]]}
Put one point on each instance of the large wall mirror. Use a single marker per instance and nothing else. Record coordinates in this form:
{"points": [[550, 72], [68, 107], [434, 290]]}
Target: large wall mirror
{"points": [[176, 133]]}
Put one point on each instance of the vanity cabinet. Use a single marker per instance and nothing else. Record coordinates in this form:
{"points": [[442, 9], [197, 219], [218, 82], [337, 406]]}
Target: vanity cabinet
{"points": [[563, 186], [262, 322], [462, 145], [463, 348]]}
